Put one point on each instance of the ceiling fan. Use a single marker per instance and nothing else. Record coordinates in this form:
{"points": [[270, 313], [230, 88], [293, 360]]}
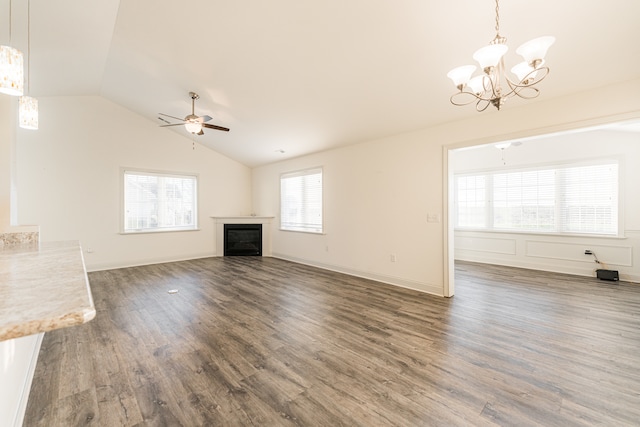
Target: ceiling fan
{"points": [[192, 123]]}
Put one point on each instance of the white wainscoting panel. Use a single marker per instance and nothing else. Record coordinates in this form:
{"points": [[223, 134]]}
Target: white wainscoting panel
{"points": [[609, 254], [496, 245]]}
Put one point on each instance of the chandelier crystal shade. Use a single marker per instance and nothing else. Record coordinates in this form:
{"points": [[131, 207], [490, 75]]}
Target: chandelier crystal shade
{"points": [[11, 71], [494, 86]]}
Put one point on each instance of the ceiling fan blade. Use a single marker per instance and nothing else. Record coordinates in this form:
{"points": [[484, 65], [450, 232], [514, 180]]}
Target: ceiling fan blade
{"points": [[206, 118], [206, 125], [173, 117], [173, 124]]}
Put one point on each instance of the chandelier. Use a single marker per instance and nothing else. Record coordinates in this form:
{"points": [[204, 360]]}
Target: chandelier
{"points": [[494, 86]]}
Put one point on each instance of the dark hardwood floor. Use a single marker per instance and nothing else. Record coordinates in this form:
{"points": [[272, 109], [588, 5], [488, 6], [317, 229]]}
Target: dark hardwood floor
{"points": [[251, 341]]}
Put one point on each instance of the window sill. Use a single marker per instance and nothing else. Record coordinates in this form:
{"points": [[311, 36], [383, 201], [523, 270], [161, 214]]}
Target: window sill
{"points": [[317, 233], [174, 230], [540, 233]]}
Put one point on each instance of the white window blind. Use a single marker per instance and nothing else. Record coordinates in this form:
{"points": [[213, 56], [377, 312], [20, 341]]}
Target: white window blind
{"points": [[159, 202], [590, 199], [471, 201], [572, 198], [301, 201], [524, 200]]}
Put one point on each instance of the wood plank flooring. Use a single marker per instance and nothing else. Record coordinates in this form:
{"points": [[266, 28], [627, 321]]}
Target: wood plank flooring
{"points": [[252, 341]]}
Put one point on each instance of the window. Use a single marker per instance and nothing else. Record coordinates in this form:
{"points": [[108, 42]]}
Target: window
{"points": [[158, 201], [301, 201], [524, 200], [471, 201], [574, 198]]}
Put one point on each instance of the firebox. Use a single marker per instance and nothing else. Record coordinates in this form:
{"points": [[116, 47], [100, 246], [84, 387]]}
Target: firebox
{"points": [[243, 240]]}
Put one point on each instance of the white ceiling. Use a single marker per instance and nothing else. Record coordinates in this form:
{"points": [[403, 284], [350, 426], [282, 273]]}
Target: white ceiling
{"points": [[307, 75]]}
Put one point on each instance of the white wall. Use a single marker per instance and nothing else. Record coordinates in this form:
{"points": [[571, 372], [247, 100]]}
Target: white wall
{"points": [[560, 253], [68, 178], [7, 156], [378, 194], [376, 201]]}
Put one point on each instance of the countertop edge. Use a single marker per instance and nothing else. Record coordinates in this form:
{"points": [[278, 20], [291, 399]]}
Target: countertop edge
{"points": [[58, 258]]}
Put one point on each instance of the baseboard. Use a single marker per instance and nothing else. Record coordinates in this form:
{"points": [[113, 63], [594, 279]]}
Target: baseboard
{"points": [[141, 262], [395, 281], [625, 277], [413, 285]]}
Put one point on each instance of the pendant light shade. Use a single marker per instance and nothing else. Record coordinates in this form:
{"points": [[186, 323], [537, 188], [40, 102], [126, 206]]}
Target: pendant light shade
{"points": [[476, 84], [461, 75], [489, 56], [28, 113], [11, 71], [536, 49]]}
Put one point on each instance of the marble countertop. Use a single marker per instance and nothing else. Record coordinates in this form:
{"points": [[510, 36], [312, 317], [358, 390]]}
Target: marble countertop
{"points": [[43, 287]]}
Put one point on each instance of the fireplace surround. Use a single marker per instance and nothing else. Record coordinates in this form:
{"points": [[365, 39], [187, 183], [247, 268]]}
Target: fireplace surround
{"points": [[221, 221]]}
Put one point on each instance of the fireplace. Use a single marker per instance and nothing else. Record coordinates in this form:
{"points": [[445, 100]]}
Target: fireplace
{"points": [[242, 220], [242, 239]]}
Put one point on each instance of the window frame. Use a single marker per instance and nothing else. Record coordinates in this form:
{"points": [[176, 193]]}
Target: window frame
{"points": [[567, 164], [298, 173], [161, 173]]}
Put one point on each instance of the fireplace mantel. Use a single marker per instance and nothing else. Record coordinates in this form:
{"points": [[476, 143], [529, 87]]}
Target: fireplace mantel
{"points": [[220, 221]]}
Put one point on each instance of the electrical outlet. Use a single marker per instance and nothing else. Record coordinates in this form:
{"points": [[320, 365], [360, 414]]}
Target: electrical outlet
{"points": [[587, 252], [433, 217], [393, 258]]}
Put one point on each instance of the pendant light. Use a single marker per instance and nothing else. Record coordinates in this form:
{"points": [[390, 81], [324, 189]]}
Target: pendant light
{"points": [[11, 67], [28, 113], [28, 107]]}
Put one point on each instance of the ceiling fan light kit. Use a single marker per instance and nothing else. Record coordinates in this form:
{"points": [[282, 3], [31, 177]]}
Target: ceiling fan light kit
{"points": [[193, 126], [494, 86], [192, 123]]}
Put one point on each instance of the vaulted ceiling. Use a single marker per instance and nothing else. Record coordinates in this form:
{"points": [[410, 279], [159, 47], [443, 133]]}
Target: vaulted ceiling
{"points": [[302, 76]]}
